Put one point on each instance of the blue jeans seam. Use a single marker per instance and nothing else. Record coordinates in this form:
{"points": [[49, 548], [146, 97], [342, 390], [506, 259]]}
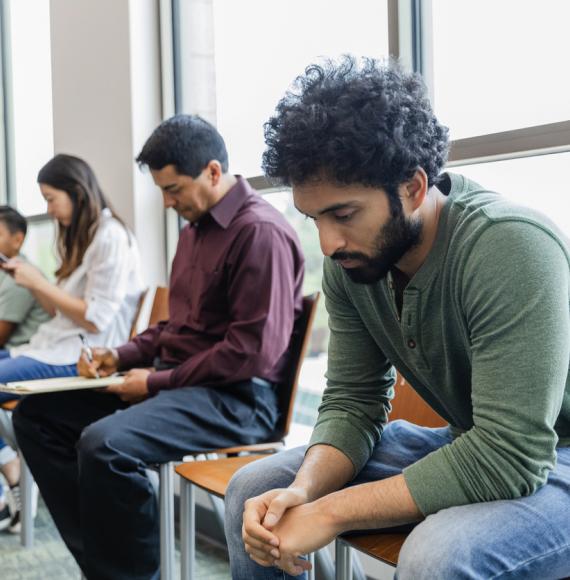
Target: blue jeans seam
{"points": [[529, 561]]}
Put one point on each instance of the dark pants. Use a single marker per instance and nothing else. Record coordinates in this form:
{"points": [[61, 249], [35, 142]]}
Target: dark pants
{"points": [[89, 452]]}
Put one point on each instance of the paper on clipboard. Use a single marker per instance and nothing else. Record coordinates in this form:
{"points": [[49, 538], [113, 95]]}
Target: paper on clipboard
{"points": [[59, 384]]}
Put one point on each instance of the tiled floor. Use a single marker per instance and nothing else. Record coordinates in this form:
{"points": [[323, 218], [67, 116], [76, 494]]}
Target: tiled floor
{"points": [[50, 560]]}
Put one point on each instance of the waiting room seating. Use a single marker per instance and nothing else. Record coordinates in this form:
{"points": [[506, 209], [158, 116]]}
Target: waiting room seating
{"points": [[298, 347], [159, 311], [214, 477]]}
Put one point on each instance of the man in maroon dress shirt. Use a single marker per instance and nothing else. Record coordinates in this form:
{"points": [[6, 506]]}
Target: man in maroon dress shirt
{"points": [[235, 292]]}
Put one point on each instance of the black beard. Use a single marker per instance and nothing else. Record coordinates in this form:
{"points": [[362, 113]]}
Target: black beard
{"points": [[394, 239]]}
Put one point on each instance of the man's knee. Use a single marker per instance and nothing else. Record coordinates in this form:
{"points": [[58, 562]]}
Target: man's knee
{"points": [[249, 481], [97, 444], [432, 550], [256, 478], [25, 415]]}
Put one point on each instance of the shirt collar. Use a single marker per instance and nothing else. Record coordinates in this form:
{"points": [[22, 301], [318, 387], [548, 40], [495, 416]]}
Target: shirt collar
{"points": [[226, 209]]}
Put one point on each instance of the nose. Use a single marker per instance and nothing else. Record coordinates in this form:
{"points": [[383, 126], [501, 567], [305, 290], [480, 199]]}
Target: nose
{"points": [[330, 239], [167, 200]]}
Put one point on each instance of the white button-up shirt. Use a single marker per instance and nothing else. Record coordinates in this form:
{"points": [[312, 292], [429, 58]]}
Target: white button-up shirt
{"points": [[109, 280]]}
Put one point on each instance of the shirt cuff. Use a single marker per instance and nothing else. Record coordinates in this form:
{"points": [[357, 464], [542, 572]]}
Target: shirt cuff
{"points": [[350, 440], [129, 356], [159, 380], [434, 484]]}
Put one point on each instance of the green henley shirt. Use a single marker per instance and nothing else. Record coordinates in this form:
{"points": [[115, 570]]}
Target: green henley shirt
{"points": [[483, 337]]}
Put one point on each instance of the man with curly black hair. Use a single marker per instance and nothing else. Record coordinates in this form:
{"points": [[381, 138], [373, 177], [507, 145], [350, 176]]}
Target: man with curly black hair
{"points": [[467, 295]]}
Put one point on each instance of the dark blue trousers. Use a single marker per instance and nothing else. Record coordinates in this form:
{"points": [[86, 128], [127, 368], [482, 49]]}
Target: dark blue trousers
{"points": [[88, 451]]}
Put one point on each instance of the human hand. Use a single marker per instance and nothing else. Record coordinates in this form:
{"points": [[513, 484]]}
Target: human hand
{"points": [[134, 389], [24, 274], [302, 530], [105, 362], [261, 514]]}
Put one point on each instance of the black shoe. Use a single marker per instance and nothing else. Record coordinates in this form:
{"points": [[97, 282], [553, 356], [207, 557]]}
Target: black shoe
{"points": [[16, 507], [5, 517]]}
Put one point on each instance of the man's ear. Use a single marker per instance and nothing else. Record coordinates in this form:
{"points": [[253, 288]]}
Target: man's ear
{"points": [[214, 172], [18, 240], [415, 190]]}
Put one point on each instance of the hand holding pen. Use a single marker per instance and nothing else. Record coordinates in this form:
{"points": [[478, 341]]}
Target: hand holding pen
{"points": [[89, 354], [97, 362]]}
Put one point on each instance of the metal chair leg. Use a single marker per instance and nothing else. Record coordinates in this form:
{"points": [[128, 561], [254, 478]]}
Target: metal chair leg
{"points": [[166, 495], [7, 429], [312, 570], [325, 564], [187, 530], [27, 485], [343, 561]]}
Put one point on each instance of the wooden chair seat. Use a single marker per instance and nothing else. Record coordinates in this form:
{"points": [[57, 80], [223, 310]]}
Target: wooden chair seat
{"points": [[9, 405], [379, 545], [214, 476], [298, 346]]}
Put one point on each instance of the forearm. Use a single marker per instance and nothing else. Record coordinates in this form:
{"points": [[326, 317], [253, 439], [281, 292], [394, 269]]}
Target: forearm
{"points": [[53, 298], [378, 504], [6, 329], [325, 469]]}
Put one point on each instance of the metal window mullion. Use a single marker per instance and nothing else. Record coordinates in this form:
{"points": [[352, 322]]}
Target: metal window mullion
{"points": [[538, 140], [171, 103], [410, 34], [167, 58], [7, 153]]}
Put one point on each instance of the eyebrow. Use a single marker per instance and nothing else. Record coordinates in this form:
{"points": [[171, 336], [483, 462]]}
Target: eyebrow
{"points": [[330, 208], [169, 187]]}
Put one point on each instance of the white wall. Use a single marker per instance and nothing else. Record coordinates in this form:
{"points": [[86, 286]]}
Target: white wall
{"points": [[106, 102]]}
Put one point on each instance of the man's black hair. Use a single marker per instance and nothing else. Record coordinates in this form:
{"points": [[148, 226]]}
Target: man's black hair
{"points": [[347, 122], [186, 141], [14, 220]]}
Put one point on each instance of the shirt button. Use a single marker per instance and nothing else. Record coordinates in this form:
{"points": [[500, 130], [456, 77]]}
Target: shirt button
{"points": [[412, 343]]}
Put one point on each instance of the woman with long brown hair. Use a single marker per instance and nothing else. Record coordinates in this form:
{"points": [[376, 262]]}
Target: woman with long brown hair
{"points": [[98, 281]]}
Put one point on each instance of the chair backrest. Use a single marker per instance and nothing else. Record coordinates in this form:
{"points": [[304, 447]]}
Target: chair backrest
{"points": [[408, 405], [297, 350], [137, 315], [159, 310]]}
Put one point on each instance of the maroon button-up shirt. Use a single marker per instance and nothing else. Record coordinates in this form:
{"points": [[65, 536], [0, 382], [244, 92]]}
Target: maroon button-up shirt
{"points": [[235, 292]]}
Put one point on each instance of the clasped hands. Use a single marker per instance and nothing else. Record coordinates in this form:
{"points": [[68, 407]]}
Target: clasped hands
{"points": [[281, 525], [105, 362]]}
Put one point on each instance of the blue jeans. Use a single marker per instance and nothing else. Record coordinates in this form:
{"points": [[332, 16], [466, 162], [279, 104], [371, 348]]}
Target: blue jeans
{"points": [[526, 538], [89, 453], [23, 368]]}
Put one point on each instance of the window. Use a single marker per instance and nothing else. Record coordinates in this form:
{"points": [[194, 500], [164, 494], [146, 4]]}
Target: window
{"points": [[536, 182], [257, 59], [29, 99], [496, 70], [40, 245], [500, 66], [246, 54]]}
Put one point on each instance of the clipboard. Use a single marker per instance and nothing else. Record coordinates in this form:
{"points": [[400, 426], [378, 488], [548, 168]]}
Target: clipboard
{"points": [[59, 384]]}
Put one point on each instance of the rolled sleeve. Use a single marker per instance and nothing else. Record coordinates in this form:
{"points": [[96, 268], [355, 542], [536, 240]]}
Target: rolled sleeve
{"points": [[106, 261]]}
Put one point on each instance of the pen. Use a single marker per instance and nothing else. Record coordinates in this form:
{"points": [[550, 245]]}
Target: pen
{"points": [[87, 350]]}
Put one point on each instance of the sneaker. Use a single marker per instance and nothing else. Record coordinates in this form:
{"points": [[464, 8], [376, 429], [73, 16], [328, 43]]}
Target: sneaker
{"points": [[5, 517], [15, 502]]}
